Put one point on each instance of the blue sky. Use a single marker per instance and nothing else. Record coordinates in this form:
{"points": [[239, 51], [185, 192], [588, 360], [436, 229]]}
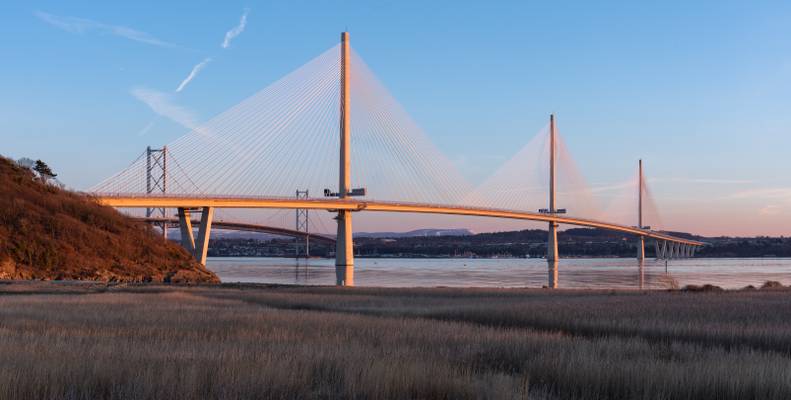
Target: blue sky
{"points": [[700, 90]]}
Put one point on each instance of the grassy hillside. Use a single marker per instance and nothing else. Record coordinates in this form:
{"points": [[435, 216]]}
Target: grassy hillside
{"points": [[49, 233]]}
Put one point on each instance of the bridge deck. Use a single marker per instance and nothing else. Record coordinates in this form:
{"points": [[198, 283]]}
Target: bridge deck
{"points": [[166, 201], [241, 226]]}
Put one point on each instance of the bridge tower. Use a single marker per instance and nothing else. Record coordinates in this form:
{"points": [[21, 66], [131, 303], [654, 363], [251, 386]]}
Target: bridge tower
{"points": [[344, 247], [302, 225], [552, 240], [640, 239], [157, 182]]}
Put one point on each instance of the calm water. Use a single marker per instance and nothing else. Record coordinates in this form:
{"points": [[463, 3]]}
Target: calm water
{"points": [[573, 273]]}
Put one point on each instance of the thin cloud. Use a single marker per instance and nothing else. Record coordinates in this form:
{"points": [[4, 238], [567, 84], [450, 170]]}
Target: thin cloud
{"points": [[703, 180], [82, 25], [162, 104], [623, 185], [236, 31], [771, 210], [195, 70], [765, 193], [613, 187]]}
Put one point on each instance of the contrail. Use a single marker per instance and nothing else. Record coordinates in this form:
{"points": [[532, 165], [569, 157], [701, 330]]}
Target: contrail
{"points": [[161, 104], [235, 31], [82, 25], [195, 70], [146, 129]]}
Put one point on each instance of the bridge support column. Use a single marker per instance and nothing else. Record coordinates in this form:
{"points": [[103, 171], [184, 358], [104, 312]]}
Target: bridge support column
{"points": [[204, 231], [640, 248], [552, 256], [552, 239], [185, 224], [344, 250], [344, 246], [640, 239]]}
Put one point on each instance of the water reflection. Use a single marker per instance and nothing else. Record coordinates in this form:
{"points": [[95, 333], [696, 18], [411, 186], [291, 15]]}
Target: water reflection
{"points": [[301, 271], [570, 273], [552, 279], [641, 273]]}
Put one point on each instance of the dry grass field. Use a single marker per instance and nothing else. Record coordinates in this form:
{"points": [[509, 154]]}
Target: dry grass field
{"points": [[83, 341]]}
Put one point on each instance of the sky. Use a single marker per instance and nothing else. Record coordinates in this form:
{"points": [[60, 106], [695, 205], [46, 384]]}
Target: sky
{"points": [[699, 90]]}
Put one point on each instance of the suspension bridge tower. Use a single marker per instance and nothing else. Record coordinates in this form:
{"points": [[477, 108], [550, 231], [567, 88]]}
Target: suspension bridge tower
{"points": [[302, 225], [552, 240], [344, 247], [640, 239], [157, 181]]}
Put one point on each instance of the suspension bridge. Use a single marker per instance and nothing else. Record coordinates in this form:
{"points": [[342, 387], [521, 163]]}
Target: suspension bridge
{"points": [[300, 132]]}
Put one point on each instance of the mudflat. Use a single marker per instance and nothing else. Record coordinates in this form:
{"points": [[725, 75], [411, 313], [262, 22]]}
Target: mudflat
{"points": [[135, 341]]}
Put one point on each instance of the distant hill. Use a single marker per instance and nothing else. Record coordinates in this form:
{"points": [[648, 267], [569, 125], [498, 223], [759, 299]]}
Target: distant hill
{"points": [[415, 233], [174, 234], [49, 233]]}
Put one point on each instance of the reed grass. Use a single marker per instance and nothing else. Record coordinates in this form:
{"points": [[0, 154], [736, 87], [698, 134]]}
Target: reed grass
{"points": [[151, 342]]}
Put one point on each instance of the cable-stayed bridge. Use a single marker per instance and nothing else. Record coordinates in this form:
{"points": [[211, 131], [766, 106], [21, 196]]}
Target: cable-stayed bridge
{"points": [[331, 121]]}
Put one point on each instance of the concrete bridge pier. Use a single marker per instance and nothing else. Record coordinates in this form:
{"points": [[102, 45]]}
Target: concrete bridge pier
{"points": [[198, 248], [344, 250], [552, 256], [185, 225], [204, 231]]}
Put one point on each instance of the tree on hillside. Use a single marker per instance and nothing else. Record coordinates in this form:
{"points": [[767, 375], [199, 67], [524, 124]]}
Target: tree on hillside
{"points": [[26, 163], [44, 170]]}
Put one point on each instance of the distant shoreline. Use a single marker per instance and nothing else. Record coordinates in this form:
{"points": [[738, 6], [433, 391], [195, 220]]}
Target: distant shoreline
{"points": [[513, 258]]}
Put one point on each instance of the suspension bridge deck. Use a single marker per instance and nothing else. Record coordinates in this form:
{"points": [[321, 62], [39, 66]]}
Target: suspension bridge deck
{"points": [[247, 227]]}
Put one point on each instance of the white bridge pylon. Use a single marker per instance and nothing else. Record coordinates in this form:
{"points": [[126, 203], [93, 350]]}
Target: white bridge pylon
{"points": [[246, 163]]}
